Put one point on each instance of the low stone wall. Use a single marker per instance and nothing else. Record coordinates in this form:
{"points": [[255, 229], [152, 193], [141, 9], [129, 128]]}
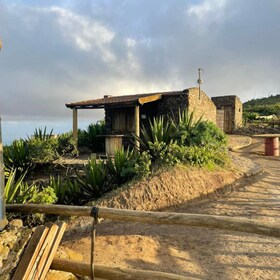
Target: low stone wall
{"points": [[13, 240]]}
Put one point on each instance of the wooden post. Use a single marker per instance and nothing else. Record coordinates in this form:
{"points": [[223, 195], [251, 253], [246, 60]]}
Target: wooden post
{"points": [[75, 126], [137, 124], [3, 220]]}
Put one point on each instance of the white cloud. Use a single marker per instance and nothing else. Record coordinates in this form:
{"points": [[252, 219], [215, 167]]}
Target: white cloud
{"points": [[87, 34], [208, 10]]}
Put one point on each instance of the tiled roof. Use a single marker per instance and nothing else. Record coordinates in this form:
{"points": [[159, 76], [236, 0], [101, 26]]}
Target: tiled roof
{"points": [[125, 100]]}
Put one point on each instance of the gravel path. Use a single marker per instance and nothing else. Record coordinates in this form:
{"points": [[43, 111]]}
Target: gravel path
{"points": [[202, 253]]}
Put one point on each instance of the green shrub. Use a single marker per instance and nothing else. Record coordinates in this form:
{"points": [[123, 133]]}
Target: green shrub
{"points": [[143, 164], [121, 168], [206, 133], [18, 156], [46, 196], [42, 152], [66, 145], [204, 156]]}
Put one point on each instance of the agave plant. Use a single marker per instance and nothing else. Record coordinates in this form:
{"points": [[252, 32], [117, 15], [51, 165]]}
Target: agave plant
{"points": [[67, 192], [89, 137], [15, 189], [160, 130], [187, 123], [94, 183], [122, 166], [42, 134], [17, 155]]}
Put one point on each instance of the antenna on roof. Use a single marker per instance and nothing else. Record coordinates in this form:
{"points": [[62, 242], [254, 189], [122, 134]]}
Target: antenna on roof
{"points": [[199, 81]]}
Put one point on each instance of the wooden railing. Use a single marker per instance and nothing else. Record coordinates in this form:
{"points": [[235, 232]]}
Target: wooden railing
{"points": [[167, 218]]}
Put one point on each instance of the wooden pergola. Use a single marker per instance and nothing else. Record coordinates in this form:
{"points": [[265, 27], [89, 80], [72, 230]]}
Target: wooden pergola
{"points": [[126, 101]]}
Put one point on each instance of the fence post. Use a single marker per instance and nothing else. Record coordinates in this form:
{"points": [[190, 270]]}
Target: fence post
{"points": [[3, 220]]}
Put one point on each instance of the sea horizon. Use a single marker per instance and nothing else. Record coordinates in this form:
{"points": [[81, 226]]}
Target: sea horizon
{"points": [[15, 130]]}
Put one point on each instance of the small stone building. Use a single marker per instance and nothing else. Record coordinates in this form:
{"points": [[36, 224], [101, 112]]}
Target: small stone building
{"points": [[229, 112], [125, 114]]}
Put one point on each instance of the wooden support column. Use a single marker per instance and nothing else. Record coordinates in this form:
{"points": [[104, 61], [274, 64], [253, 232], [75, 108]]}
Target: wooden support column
{"points": [[75, 126], [137, 124]]}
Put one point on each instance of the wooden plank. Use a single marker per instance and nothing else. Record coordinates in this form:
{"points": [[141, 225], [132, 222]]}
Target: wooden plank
{"points": [[150, 98], [48, 262], [42, 258], [114, 273], [167, 218], [31, 252]]}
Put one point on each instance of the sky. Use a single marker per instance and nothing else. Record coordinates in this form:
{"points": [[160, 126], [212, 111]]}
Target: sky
{"points": [[56, 52]]}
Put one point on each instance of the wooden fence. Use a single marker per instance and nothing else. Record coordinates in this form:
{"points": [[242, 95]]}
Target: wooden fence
{"points": [[167, 218]]}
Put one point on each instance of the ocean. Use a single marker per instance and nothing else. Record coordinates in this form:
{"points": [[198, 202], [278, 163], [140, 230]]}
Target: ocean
{"points": [[12, 130]]}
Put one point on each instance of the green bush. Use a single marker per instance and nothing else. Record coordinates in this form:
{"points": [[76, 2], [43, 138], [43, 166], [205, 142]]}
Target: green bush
{"points": [[46, 196], [143, 164], [206, 133], [204, 156], [43, 151], [66, 145]]}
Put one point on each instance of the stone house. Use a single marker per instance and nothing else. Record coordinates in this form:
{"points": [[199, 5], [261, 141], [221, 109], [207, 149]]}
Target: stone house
{"points": [[229, 112], [125, 114]]}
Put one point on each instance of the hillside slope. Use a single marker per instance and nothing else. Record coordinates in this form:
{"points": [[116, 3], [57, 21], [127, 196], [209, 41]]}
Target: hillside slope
{"points": [[264, 106]]}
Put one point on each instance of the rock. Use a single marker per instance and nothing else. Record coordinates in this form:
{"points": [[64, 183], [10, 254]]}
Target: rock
{"points": [[61, 275], [17, 223]]}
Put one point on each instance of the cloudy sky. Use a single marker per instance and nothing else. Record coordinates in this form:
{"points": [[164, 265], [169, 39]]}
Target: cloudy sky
{"points": [[56, 52]]}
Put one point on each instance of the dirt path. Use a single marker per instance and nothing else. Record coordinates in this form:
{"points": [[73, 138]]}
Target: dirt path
{"points": [[196, 252]]}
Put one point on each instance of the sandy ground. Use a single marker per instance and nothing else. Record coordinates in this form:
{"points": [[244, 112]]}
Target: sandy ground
{"points": [[195, 252]]}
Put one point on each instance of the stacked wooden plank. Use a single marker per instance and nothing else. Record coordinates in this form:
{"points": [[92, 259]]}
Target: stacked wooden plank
{"points": [[39, 253]]}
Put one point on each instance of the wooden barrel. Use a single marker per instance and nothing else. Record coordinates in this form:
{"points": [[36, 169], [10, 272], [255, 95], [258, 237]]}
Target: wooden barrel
{"points": [[272, 146]]}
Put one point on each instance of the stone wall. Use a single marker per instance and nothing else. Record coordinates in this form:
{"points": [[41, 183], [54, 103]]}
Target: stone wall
{"points": [[233, 104], [201, 105], [220, 119], [13, 240]]}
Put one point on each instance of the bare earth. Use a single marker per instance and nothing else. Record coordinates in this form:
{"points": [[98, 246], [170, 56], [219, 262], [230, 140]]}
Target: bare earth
{"points": [[196, 252]]}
